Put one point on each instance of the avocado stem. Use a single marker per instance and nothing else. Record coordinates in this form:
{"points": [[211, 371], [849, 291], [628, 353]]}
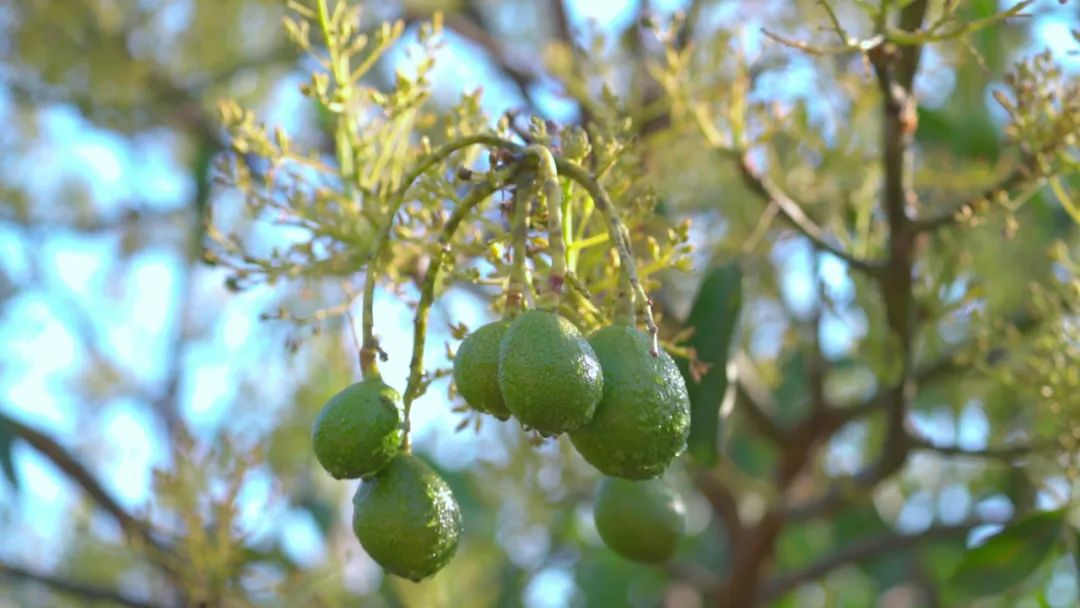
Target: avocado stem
{"points": [[620, 238], [370, 351], [548, 176], [519, 235], [413, 387]]}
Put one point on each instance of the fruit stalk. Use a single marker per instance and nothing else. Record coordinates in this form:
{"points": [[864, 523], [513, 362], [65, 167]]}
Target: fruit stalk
{"points": [[548, 176], [369, 349], [519, 234], [620, 238], [477, 195]]}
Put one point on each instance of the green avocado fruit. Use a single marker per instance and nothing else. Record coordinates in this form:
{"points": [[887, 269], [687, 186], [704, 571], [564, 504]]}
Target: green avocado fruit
{"points": [[640, 520], [476, 369], [407, 519], [643, 419], [359, 430], [548, 374]]}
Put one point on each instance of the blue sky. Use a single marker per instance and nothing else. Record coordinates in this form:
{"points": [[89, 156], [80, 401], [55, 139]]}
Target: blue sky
{"points": [[131, 304]]}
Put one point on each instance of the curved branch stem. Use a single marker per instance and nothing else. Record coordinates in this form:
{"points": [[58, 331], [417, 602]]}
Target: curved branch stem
{"points": [[793, 213], [369, 350], [1020, 176], [519, 234], [619, 236], [548, 176], [477, 195]]}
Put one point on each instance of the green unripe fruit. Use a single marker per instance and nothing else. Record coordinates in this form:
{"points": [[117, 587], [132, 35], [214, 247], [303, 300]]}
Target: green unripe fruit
{"points": [[548, 374], [639, 520], [476, 369], [359, 430], [407, 519], [643, 419]]}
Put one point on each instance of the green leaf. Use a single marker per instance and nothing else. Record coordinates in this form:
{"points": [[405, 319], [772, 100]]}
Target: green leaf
{"points": [[713, 316], [1010, 556], [7, 444]]}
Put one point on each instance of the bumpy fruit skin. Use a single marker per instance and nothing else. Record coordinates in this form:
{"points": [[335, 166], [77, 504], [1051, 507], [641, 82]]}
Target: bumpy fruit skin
{"points": [[407, 519], [639, 520], [548, 374], [643, 419], [359, 430], [476, 369]]}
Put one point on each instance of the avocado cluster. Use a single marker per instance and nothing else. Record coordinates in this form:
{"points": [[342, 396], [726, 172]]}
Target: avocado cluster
{"points": [[626, 411], [538, 368], [404, 514]]}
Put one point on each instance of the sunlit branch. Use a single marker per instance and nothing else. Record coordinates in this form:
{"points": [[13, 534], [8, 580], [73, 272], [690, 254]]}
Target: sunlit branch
{"points": [[854, 46]]}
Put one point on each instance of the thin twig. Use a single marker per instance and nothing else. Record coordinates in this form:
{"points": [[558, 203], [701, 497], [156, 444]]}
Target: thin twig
{"points": [[689, 24], [852, 46], [920, 37], [793, 213], [1018, 177], [84, 591], [841, 33], [859, 551], [548, 176], [1006, 454], [72, 466]]}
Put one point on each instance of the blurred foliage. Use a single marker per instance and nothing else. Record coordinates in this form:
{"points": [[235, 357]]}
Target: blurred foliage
{"points": [[268, 225]]}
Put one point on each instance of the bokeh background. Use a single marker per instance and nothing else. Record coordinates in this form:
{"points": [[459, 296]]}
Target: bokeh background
{"points": [[122, 346]]}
